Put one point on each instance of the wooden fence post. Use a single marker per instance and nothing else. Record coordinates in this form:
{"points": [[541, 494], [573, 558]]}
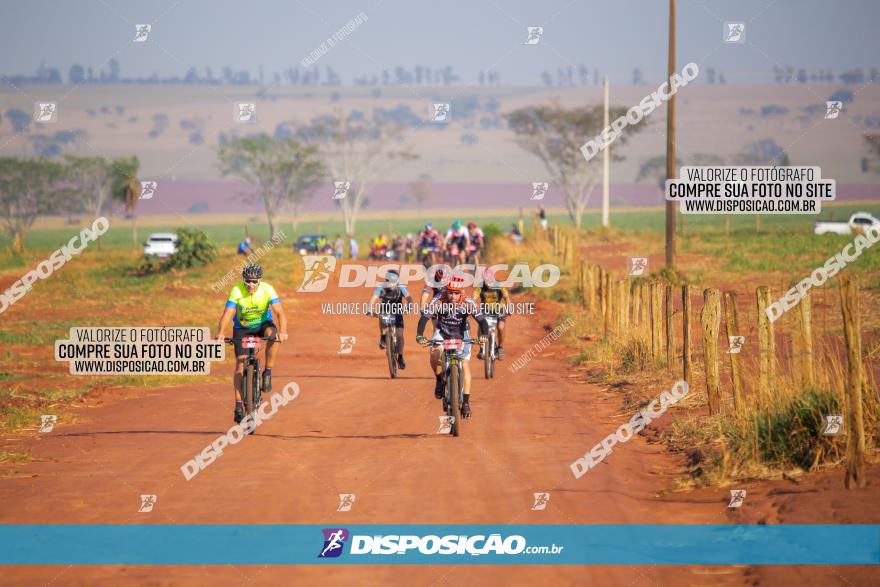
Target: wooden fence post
{"points": [[591, 287], [731, 323], [606, 302], [635, 293], [766, 348], [670, 329], [686, 333], [855, 423], [802, 341], [656, 320], [710, 318], [555, 231], [647, 330]]}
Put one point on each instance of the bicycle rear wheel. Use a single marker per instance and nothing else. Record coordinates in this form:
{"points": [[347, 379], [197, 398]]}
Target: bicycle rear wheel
{"points": [[390, 352], [247, 394], [453, 386], [489, 357]]}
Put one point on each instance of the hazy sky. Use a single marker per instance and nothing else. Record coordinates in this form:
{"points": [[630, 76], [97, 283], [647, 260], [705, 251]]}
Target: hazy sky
{"points": [[470, 35]]}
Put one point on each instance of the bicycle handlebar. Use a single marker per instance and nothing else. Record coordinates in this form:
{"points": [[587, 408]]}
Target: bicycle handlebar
{"points": [[433, 342], [229, 340]]}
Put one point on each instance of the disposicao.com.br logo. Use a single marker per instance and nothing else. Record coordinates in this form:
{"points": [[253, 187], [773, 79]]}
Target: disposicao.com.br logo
{"points": [[319, 268], [334, 540]]}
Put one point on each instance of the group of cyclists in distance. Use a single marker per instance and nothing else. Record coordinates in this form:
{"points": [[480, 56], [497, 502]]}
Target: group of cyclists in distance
{"points": [[443, 303], [460, 244]]}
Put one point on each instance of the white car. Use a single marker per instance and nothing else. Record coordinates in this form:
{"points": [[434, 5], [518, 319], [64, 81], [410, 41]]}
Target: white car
{"points": [[161, 244], [856, 224]]}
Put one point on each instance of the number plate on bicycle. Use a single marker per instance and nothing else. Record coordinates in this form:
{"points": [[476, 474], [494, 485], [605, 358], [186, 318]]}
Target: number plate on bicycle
{"points": [[453, 344], [250, 342]]}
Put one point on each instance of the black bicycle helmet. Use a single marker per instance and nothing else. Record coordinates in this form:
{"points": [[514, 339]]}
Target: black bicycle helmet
{"points": [[252, 271]]}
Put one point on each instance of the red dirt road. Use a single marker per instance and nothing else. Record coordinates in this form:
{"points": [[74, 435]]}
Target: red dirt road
{"points": [[354, 430]]}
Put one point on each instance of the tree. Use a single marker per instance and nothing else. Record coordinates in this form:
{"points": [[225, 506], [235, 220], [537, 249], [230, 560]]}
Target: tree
{"points": [[762, 152], [127, 188], [19, 119], [555, 134], [282, 169], [655, 168], [77, 74], [422, 190], [358, 149], [29, 188], [92, 179], [299, 177]]}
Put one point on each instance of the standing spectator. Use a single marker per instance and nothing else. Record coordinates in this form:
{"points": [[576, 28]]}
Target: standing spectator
{"points": [[338, 247], [352, 248], [542, 214]]}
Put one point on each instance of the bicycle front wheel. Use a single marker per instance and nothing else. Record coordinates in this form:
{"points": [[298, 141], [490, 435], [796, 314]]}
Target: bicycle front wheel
{"points": [[390, 352], [453, 387]]}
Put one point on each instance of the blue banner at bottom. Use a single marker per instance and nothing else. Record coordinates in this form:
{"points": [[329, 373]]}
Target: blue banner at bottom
{"points": [[620, 544]]}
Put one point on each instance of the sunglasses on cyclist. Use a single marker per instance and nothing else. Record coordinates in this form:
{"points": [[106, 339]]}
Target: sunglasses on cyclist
{"points": [[252, 281]]}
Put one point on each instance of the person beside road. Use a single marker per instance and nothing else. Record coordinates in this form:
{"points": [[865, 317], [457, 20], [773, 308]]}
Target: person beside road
{"points": [[493, 300], [451, 309], [390, 296], [338, 247], [542, 214], [352, 248], [250, 308], [245, 248]]}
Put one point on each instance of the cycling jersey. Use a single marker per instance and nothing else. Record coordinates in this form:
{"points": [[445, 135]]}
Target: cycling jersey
{"points": [[492, 300], [459, 236], [252, 309], [390, 294], [452, 321], [477, 237]]}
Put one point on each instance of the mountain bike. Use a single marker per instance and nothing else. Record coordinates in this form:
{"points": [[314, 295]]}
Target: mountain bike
{"points": [[252, 377], [489, 352], [389, 335], [454, 374]]}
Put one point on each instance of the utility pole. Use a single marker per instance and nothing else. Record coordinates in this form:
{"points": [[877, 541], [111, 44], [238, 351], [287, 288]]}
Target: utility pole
{"points": [[605, 165], [670, 144]]}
